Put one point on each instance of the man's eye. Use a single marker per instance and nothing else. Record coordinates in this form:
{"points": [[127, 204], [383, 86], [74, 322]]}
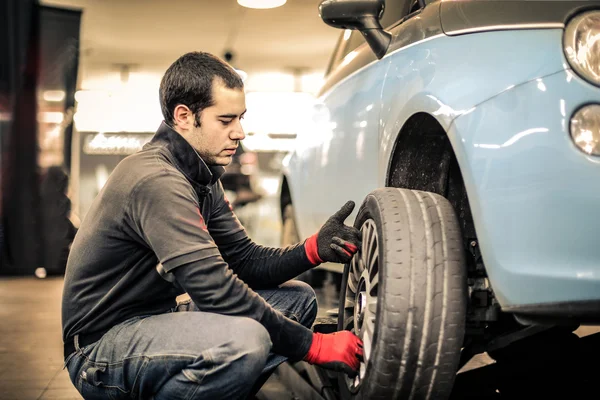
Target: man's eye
{"points": [[225, 122]]}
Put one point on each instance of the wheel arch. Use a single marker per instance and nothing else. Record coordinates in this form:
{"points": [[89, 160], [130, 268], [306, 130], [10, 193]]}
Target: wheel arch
{"points": [[423, 158]]}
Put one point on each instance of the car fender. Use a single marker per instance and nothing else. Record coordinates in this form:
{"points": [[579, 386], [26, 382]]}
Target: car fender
{"points": [[532, 192], [447, 76]]}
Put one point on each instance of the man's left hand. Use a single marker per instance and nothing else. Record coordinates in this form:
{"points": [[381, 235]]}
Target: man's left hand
{"points": [[335, 242]]}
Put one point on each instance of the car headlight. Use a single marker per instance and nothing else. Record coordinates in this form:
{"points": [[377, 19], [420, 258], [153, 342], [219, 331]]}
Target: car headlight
{"points": [[585, 129], [582, 45]]}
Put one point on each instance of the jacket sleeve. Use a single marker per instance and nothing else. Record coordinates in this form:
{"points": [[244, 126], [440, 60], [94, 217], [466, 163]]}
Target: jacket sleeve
{"points": [[257, 265], [164, 211]]}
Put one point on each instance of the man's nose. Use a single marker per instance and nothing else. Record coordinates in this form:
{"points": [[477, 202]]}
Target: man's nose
{"points": [[238, 132]]}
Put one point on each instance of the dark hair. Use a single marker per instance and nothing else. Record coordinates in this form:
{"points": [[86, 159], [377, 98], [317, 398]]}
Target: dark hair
{"points": [[189, 81]]}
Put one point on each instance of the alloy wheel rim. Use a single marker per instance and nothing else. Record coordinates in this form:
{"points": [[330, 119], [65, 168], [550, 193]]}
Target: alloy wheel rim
{"points": [[360, 311]]}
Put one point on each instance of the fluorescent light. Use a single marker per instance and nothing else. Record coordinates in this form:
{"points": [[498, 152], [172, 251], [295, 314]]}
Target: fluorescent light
{"points": [[261, 3], [123, 144], [110, 111], [54, 95], [51, 117]]}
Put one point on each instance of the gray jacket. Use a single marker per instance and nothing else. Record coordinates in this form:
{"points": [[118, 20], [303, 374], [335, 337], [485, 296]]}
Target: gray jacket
{"points": [[162, 226]]}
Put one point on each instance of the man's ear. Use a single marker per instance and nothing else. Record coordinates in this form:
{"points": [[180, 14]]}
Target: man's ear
{"points": [[183, 118]]}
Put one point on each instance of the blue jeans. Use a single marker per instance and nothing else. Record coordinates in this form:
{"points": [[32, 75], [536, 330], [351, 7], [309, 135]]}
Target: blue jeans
{"points": [[186, 353]]}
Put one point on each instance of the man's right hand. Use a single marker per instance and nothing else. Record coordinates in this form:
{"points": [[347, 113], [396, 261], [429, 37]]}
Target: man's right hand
{"points": [[339, 351], [335, 241]]}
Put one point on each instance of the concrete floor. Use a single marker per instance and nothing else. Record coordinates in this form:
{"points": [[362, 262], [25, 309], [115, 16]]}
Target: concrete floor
{"points": [[31, 349]]}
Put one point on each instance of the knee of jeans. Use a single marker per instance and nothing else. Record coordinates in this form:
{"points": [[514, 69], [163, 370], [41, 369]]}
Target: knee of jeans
{"points": [[253, 343], [301, 289], [242, 357], [306, 295], [311, 314]]}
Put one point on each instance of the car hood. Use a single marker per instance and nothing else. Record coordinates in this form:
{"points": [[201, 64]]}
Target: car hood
{"points": [[462, 17]]}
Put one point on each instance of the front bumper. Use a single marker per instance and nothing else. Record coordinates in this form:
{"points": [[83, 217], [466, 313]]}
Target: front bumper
{"points": [[535, 197]]}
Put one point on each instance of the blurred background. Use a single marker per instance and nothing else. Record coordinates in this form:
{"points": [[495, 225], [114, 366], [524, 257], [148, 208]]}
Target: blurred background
{"points": [[79, 92]]}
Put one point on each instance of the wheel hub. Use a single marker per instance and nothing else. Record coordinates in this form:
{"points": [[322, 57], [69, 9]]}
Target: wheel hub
{"points": [[359, 306]]}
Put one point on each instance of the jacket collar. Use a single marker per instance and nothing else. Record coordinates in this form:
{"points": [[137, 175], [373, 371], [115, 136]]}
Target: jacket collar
{"points": [[185, 157]]}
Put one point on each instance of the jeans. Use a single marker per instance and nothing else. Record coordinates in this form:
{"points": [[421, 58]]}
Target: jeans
{"points": [[186, 353]]}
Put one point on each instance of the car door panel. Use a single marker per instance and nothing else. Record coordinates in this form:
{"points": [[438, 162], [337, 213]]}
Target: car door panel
{"points": [[348, 158]]}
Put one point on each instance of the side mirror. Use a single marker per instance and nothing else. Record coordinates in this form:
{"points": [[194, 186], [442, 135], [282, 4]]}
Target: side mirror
{"points": [[362, 15]]}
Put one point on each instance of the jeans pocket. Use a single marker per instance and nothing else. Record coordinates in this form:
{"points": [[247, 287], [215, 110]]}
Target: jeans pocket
{"points": [[100, 381]]}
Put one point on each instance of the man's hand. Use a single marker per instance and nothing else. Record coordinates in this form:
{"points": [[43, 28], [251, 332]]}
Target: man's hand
{"points": [[339, 351], [335, 242]]}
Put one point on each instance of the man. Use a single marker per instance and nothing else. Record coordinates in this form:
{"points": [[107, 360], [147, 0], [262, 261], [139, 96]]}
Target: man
{"points": [[161, 227]]}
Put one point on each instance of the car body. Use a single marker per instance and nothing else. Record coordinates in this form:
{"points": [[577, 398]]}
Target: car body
{"points": [[491, 78]]}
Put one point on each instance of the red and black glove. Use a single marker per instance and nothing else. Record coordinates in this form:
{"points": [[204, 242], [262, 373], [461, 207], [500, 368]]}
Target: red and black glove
{"points": [[340, 351], [335, 242]]}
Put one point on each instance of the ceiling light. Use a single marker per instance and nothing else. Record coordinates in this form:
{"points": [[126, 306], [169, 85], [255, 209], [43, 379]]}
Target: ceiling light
{"points": [[54, 95], [261, 3]]}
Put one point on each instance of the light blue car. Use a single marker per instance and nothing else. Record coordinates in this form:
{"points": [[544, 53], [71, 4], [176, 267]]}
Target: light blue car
{"points": [[468, 132]]}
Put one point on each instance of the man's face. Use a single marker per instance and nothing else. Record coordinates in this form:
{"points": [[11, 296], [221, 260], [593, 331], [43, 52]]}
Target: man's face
{"points": [[220, 130]]}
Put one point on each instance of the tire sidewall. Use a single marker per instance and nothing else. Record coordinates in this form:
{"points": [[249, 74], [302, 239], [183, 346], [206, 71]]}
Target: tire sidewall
{"points": [[369, 209]]}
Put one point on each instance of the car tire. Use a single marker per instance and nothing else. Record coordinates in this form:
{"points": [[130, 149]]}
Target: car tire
{"points": [[290, 236], [407, 289]]}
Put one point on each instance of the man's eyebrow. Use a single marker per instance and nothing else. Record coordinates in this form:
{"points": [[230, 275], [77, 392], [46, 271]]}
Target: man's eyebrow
{"points": [[231, 115]]}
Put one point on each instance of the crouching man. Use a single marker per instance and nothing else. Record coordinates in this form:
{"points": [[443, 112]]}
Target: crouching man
{"points": [[161, 227]]}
